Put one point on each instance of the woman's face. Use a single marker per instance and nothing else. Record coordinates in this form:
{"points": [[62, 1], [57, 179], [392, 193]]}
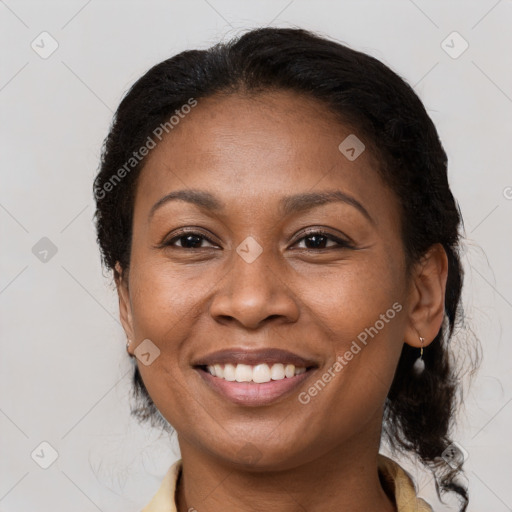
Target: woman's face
{"points": [[254, 276]]}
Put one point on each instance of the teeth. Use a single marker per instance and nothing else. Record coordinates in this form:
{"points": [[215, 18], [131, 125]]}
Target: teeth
{"points": [[259, 373], [277, 372], [228, 373], [243, 373]]}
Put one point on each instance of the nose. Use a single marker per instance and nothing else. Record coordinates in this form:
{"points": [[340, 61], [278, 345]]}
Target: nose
{"points": [[252, 294]]}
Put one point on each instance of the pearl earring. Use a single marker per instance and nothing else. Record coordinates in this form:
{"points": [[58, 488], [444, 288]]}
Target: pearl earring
{"points": [[419, 364], [128, 343]]}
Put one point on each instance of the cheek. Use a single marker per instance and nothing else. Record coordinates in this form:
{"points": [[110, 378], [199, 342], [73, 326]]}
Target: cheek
{"points": [[165, 305], [361, 312], [352, 297], [165, 299]]}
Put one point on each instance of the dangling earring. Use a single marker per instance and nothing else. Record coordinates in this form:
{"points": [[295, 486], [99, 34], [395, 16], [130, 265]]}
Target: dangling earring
{"points": [[128, 343], [419, 364]]}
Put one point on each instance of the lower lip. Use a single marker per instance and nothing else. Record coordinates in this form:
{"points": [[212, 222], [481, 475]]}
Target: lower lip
{"points": [[252, 393]]}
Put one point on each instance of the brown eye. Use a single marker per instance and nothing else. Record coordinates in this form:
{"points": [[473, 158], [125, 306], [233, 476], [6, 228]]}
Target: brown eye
{"points": [[320, 239], [189, 240]]}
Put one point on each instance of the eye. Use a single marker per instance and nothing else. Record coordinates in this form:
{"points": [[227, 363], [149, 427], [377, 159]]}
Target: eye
{"points": [[188, 240], [313, 240], [319, 240]]}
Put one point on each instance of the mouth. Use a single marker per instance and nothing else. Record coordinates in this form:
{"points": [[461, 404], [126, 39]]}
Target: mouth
{"points": [[254, 378]]}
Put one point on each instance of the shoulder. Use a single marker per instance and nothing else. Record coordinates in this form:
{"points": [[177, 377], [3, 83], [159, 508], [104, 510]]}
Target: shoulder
{"points": [[399, 483], [164, 499]]}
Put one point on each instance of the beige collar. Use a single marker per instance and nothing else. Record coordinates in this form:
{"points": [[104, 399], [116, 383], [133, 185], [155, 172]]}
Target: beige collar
{"points": [[393, 476]]}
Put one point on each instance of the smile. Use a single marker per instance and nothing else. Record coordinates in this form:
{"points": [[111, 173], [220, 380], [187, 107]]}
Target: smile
{"points": [[254, 377]]}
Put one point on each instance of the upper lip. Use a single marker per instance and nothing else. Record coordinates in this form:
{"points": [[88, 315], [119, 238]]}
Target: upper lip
{"points": [[253, 357]]}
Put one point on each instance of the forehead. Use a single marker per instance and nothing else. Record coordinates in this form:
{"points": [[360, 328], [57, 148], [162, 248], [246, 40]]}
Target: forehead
{"points": [[259, 148]]}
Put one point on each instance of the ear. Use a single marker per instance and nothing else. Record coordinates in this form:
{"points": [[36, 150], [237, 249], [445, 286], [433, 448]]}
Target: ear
{"points": [[125, 309], [426, 297]]}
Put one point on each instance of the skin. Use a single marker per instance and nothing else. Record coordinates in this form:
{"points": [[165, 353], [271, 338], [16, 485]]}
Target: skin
{"points": [[250, 152]]}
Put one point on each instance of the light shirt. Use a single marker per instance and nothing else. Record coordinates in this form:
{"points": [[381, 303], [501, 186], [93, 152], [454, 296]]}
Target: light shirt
{"points": [[396, 481]]}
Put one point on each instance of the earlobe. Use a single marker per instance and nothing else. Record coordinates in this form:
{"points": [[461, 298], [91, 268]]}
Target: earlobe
{"points": [[427, 297], [125, 311]]}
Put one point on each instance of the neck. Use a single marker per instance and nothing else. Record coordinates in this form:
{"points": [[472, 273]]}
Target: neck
{"points": [[343, 478]]}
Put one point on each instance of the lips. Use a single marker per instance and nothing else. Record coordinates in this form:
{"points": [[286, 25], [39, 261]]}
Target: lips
{"points": [[250, 388], [268, 356]]}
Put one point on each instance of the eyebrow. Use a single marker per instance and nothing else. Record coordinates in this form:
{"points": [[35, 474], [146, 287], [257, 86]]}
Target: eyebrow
{"points": [[301, 202], [290, 204]]}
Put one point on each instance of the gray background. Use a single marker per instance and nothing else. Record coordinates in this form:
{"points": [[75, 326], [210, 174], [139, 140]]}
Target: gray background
{"points": [[64, 372]]}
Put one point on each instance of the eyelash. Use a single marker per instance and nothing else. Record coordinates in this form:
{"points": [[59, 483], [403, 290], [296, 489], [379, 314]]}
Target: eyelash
{"points": [[342, 244]]}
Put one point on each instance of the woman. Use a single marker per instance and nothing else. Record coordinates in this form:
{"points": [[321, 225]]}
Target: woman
{"points": [[284, 241]]}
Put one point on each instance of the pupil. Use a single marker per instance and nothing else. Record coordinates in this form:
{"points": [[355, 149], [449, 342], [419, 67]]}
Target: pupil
{"points": [[318, 240], [194, 239]]}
